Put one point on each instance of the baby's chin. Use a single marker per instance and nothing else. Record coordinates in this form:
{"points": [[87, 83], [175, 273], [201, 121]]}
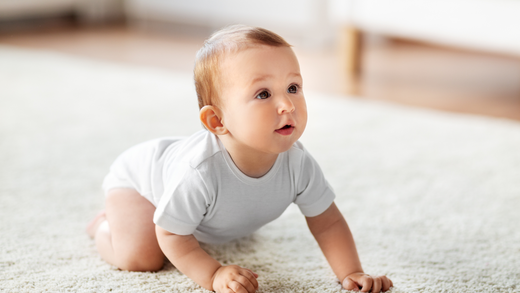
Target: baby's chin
{"points": [[285, 148]]}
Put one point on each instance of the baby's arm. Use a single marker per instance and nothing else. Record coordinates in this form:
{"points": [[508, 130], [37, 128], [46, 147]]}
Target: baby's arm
{"points": [[188, 257], [333, 235]]}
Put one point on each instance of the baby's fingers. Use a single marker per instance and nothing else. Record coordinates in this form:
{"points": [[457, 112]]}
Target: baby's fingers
{"points": [[251, 276], [377, 284], [225, 290], [252, 273], [367, 283], [348, 284], [387, 283], [237, 287], [244, 283]]}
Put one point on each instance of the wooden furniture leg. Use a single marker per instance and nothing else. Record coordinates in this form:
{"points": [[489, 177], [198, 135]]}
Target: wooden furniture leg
{"points": [[351, 52]]}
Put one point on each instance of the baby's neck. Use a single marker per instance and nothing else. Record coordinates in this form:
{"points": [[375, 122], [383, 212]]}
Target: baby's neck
{"points": [[250, 162]]}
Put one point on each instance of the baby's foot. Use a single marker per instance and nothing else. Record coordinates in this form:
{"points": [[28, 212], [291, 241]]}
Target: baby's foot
{"points": [[93, 226]]}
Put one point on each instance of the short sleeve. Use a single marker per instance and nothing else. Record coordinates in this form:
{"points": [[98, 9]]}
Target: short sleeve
{"points": [[184, 204], [314, 194]]}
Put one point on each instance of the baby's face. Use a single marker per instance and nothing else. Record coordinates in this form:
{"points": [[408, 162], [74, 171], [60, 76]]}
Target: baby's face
{"points": [[263, 105]]}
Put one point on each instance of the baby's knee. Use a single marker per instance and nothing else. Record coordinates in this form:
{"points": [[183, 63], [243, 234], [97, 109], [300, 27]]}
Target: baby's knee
{"points": [[141, 262]]}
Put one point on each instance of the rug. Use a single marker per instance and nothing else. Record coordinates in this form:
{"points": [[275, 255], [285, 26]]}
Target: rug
{"points": [[432, 198]]}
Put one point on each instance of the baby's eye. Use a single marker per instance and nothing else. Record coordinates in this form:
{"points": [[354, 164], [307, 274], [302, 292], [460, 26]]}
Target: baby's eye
{"points": [[292, 89], [263, 95]]}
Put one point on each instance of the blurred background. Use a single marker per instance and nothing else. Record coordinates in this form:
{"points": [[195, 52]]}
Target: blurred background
{"points": [[451, 55]]}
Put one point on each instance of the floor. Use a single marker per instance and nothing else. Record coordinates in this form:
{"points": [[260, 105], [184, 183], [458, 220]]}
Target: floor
{"points": [[396, 71]]}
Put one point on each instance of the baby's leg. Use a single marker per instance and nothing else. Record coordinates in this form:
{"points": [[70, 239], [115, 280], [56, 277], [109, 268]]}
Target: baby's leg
{"points": [[127, 237], [93, 226]]}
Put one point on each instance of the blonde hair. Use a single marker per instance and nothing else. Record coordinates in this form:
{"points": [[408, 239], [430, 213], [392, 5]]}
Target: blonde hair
{"points": [[228, 40]]}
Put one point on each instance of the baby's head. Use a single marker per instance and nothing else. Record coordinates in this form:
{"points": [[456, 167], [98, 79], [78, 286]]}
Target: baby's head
{"points": [[232, 39], [249, 85]]}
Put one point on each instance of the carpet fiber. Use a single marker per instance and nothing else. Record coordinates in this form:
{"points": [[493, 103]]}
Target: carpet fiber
{"points": [[432, 198]]}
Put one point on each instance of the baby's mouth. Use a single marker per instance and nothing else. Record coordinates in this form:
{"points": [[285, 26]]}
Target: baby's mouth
{"points": [[286, 130]]}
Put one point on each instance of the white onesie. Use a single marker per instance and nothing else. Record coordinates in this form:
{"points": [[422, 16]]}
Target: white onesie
{"points": [[197, 189]]}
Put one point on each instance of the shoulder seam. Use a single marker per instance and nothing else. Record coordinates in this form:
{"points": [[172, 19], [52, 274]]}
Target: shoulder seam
{"points": [[205, 159], [205, 185]]}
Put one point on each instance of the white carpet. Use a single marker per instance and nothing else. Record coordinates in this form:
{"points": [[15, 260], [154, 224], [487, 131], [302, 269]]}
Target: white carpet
{"points": [[433, 199]]}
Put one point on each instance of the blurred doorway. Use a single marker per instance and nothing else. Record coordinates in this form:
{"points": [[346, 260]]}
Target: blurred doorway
{"points": [[395, 71]]}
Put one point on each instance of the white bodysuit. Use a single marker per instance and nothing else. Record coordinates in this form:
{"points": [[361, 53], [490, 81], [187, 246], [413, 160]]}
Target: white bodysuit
{"points": [[197, 189]]}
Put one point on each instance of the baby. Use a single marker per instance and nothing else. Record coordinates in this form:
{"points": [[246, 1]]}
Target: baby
{"points": [[242, 171]]}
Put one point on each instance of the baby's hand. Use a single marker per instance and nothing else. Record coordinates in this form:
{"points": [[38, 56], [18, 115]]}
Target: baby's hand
{"points": [[228, 279], [367, 283]]}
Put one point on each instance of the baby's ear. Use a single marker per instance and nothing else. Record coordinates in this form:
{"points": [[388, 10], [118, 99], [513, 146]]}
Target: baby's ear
{"points": [[210, 117]]}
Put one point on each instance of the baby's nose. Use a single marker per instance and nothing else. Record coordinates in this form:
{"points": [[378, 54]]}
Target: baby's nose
{"points": [[286, 106]]}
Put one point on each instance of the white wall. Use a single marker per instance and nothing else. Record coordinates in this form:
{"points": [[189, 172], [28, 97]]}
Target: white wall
{"points": [[306, 21], [87, 10]]}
